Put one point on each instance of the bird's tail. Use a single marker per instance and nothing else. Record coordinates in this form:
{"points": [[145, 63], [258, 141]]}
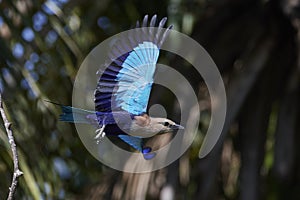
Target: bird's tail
{"points": [[76, 115]]}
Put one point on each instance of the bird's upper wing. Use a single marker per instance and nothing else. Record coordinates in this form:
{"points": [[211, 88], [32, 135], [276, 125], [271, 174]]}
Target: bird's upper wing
{"points": [[126, 81]]}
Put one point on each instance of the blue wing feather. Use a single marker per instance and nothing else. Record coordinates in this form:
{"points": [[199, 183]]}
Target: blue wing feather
{"points": [[135, 142], [126, 82], [137, 89]]}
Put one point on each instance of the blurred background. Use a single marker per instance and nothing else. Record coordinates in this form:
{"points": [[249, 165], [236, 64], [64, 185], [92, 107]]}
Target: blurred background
{"points": [[255, 45]]}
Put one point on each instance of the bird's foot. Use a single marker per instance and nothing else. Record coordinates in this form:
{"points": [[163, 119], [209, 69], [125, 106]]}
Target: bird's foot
{"points": [[147, 153], [100, 134]]}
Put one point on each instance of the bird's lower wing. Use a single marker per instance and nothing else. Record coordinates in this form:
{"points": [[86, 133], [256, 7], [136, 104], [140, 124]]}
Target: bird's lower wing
{"points": [[137, 143]]}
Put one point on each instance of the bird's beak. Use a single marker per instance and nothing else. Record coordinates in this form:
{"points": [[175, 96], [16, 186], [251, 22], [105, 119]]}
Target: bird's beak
{"points": [[176, 127]]}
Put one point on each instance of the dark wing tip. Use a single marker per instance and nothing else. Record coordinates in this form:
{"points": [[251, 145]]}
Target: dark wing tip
{"points": [[153, 21], [162, 22], [145, 21]]}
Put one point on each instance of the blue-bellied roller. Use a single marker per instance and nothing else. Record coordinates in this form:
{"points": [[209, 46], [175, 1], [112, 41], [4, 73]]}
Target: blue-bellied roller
{"points": [[123, 90]]}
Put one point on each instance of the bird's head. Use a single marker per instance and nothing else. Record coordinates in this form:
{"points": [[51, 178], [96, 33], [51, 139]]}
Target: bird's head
{"points": [[146, 126], [164, 125]]}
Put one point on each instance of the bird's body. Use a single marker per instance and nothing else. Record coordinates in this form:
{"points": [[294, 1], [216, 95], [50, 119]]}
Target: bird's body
{"points": [[123, 90]]}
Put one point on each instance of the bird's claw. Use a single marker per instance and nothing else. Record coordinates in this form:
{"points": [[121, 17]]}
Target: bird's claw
{"points": [[100, 134]]}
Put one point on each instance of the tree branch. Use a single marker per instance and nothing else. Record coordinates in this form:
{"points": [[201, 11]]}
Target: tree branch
{"points": [[17, 172]]}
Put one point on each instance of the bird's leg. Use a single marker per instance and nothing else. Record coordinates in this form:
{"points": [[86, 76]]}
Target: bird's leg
{"points": [[100, 134]]}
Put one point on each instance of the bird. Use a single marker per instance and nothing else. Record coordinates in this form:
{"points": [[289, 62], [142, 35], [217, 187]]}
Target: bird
{"points": [[123, 89]]}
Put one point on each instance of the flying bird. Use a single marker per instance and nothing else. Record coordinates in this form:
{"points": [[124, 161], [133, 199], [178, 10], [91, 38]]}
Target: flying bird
{"points": [[123, 90]]}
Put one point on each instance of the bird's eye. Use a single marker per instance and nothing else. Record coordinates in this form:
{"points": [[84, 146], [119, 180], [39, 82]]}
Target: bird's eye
{"points": [[166, 124]]}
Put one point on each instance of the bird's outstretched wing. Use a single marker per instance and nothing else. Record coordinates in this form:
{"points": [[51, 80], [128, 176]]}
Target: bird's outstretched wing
{"points": [[127, 78]]}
